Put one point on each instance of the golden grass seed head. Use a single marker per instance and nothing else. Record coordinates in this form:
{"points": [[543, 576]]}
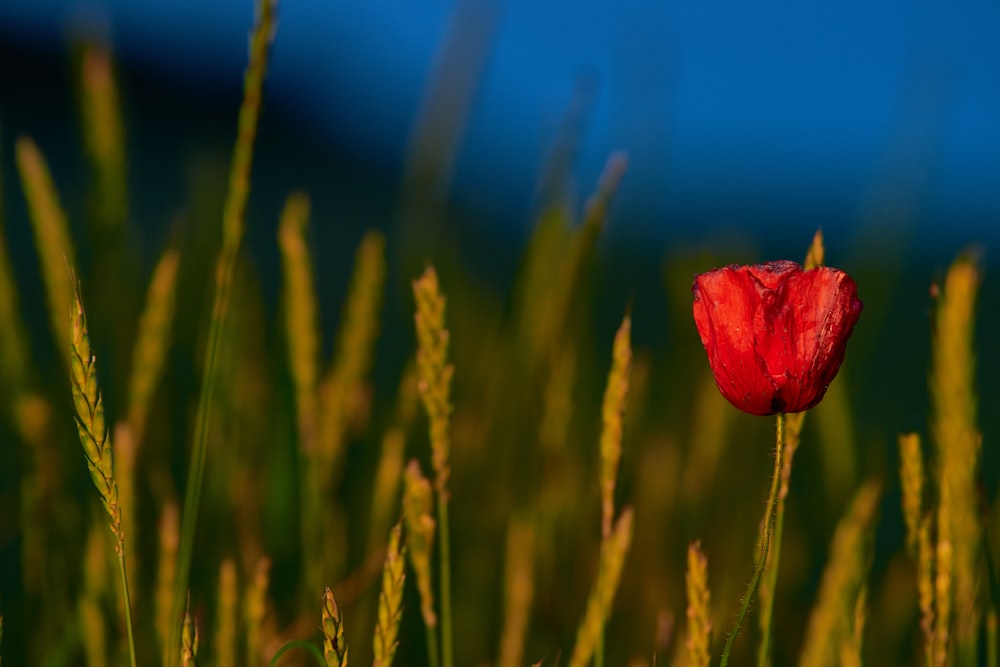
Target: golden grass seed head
{"points": [[612, 413], [334, 646], [420, 527], [390, 603], [699, 607]]}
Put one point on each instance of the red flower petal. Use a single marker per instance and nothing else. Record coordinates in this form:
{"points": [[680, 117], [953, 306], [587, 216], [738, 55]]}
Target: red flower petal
{"points": [[775, 334]]}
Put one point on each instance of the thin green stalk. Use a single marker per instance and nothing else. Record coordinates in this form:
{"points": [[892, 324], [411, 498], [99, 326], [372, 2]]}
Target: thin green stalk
{"points": [[442, 507], [791, 432], [770, 582], [128, 607], [433, 654], [232, 235], [765, 539]]}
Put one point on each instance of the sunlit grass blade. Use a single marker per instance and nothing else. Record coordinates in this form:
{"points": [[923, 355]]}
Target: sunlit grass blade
{"points": [[103, 136], [166, 574], [699, 608], [342, 407], [389, 471], [232, 235], [557, 261], [614, 550], [90, 609], [615, 395], [52, 238], [255, 610], [850, 648], [911, 475], [226, 615], [343, 382], [832, 621], [519, 590], [919, 538], [958, 445], [152, 343], [926, 586], [301, 313]]}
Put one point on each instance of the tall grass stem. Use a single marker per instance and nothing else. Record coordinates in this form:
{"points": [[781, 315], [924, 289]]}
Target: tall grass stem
{"points": [[442, 508], [232, 234]]}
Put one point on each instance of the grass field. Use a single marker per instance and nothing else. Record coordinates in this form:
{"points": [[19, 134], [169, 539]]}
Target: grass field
{"points": [[460, 475]]}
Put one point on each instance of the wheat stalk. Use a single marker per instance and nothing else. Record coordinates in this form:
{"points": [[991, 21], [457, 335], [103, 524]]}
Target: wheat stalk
{"points": [[833, 619], [152, 342], [301, 325], [55, 249], [434, 376], [615, 394], [613, 552], [418, 499], [103, 135], [958, 444], [344, 379], [334, 646], [189, 638], [699, 617], [93, 431], [390, 600], [166, 573], [232, 235], [519, 590]]}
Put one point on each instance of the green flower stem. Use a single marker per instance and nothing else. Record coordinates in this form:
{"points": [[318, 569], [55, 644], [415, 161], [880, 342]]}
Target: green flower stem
{"points": [[765, 539], [771, 582], [445, 537]]}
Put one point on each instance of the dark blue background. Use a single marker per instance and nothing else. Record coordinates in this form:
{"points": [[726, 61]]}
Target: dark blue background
{"points": [[771, 116]]}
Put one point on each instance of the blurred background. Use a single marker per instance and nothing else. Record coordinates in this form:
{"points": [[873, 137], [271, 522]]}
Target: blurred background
{"points": [[448, 125], [769, 119]]}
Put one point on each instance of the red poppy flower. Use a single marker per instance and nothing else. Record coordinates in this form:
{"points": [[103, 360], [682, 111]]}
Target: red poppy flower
{"points": [[775, 334]]}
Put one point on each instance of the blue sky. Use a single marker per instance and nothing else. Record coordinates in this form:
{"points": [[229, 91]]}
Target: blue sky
{"points": [[729, 109]]}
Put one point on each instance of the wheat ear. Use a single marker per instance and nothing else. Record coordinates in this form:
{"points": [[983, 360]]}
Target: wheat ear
{"points": [[189, 638], [958, 445], [699, 617], [418, 499], [390, 600], [93, 431], [334, 646]]}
